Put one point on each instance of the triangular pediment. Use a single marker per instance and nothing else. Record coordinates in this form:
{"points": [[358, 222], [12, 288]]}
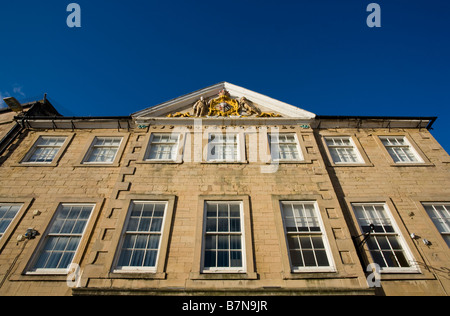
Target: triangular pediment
{"points": [[224, 100]]}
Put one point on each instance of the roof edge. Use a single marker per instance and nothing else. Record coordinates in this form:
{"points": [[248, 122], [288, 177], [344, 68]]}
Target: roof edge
{"points": [[182, 101], [430, 120]]}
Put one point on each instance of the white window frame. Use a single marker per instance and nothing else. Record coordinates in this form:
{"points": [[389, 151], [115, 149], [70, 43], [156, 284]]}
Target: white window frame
{"points": [[322, 233], [9, 205], [413, 268], [216, 269], [236, 145], [36, 146], [275, 148], [94, 145], [47, 234], [151, 143], [407, 146], [435, 215], [134, 269], [336, 146]]}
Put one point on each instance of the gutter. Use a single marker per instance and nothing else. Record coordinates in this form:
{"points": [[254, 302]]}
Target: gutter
{"points": [[72, 122], [431, 119], [72, 118]]}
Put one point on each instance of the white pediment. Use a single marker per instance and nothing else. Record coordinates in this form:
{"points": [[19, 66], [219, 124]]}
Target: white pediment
{"points": [[184, 104]]}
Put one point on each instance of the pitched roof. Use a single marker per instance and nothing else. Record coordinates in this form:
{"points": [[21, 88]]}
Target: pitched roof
{"points": [[186, 101]]}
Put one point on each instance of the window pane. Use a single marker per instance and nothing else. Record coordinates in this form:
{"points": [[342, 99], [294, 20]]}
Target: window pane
{"points": [[211, 210], [223, 238], [222, 225], [133, 224], [235, 224], [223, 242], [45, 149], [440, 215], [150, 258], [317, 242], [305, 243], [223, 210], [223, 259], [210, 259], [308, 257], [305, 249], [300, 217], [68, 226], [400, 150], [222, 147], [235, 259], [235, 210], [163, 147], [163, 152], [378, 258], [284, 147], [156, 224], [40, 263], [147, 210], [73, 243], [59, 248], [141, 242], [400, 256], [293, 242], [3, 226], [53, 261], [66, 259], [125, 257], [137, 258], [384, 242], [102, 155], [7, 214], [342, 150], [159, 210], [144, 224], [322, 259], [153, 242], [235, 242], [296, 258], [210, 242]]}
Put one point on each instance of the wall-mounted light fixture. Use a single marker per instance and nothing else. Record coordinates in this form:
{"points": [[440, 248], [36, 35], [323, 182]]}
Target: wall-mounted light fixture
{"points": [[30, 233], [366, 235]]}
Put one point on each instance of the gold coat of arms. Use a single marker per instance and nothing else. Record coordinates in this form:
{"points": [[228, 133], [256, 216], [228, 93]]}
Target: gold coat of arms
{"points": [[224, 105]]}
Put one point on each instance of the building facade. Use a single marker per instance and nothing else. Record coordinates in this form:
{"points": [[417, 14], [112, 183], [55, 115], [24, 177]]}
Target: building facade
{"points": [[222, 191]]}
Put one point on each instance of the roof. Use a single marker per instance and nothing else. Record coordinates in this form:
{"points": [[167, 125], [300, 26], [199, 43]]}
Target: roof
{"points": [[236, 92]]}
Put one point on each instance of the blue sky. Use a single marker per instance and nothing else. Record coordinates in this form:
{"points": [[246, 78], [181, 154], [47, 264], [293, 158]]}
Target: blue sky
{"points": [[318, 55]]}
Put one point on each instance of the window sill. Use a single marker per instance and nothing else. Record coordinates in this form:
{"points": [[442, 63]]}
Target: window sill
{"points": [[407, 275], [35, 164], [302, 275], [415, 164], [351, 164], [39, 276], [223, 276], [287, 162], [50, 272], [225, 162], [137, 275], [97, 165], [159, 162]]}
